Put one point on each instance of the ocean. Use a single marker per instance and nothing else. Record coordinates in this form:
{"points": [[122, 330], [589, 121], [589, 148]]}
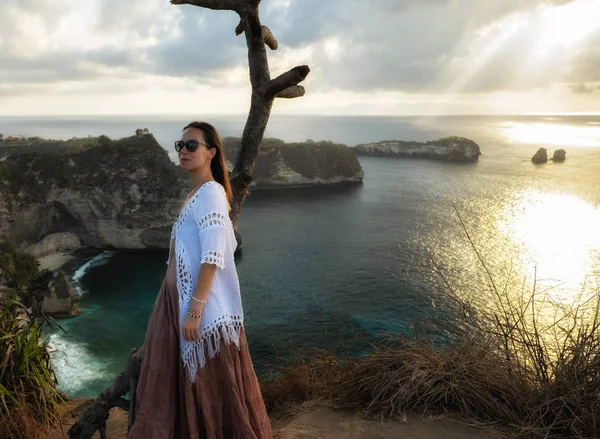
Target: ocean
{"points": [[340, 267]]}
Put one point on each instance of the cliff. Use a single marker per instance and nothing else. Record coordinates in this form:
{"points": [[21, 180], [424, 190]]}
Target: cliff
{"points": [[449, 148], [281, 164], [95, 192], [57, 196]]}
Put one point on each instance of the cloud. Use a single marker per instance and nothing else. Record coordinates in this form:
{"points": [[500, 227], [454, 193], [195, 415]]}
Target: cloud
{"points": [[413, 46], [586, 65], [583, 88]]}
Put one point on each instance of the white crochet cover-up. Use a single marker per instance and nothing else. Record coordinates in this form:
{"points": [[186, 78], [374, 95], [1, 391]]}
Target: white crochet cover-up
{"points": [[203, 233]]}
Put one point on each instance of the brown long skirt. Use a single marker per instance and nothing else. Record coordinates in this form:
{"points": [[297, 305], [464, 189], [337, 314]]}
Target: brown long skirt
{"points": [[225, 402]]}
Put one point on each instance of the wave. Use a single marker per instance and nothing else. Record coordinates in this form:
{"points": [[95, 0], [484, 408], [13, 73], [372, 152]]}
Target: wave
{"points": [[75, 367], [101, 259]]}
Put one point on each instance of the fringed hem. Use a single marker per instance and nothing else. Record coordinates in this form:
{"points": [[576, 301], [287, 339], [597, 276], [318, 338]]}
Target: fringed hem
{"points": [[226, 328]]}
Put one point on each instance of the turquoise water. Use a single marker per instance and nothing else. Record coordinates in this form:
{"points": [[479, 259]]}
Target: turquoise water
{"points": [[339, 267]]}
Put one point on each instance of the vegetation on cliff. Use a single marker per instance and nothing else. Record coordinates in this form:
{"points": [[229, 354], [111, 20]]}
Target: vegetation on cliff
{"points": [[34, 167], [17, 269], [120, 193], [28, 388], [30, 402], [322, 161], [451, 148]]}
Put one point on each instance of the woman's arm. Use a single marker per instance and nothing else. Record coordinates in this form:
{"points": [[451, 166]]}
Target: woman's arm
{"points": [[205, 280], [201, 292]]}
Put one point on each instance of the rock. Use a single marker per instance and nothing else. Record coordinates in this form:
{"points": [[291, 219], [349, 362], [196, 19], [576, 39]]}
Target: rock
{"points": [[448, 149], [51, 293], [54, 243], [123, 193], [60, 299], [541, 156], [281, 164], [559, 155]]}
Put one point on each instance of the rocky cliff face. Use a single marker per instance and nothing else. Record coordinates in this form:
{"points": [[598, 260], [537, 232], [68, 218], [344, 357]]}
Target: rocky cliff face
{"points": [[449, 148], [123, 194], [58, 196], [281, 164]]}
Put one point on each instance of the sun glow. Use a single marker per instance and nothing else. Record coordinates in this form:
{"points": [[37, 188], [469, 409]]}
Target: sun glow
{"points": [[564, 26], [559, 233], [552, 134]]}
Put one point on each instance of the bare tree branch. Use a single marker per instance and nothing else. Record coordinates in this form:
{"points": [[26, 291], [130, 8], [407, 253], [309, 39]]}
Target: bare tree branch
{"points": [[269, 38], [219, 5], [295, 91], [254, 24], [285, 80], [242, 26]]}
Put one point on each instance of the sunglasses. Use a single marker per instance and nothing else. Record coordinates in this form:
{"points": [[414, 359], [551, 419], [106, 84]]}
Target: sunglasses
{"points": [[190, 145]]}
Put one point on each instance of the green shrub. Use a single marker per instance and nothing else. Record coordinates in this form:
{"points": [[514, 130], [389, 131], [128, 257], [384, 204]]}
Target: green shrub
{"points": [[31, 404], [17, 268]]}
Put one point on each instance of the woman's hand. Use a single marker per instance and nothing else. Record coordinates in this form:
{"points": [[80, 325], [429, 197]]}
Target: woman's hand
{"points": [[191, 325]]}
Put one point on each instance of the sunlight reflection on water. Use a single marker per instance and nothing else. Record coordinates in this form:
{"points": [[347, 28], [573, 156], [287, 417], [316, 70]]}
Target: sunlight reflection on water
{"points": [[560, 234], [552, 134]]}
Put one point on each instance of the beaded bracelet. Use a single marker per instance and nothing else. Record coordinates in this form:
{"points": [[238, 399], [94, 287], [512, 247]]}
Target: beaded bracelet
{"points": [[198, 300], [195, 316]]}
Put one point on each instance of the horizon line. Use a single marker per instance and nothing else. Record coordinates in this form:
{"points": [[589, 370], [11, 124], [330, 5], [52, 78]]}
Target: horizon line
{"points": [[67, 115]]}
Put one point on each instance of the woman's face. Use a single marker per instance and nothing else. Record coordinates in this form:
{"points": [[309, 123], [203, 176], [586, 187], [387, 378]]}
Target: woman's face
{"points": [[201, 157]]}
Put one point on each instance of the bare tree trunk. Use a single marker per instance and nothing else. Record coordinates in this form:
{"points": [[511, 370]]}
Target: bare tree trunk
{"points": [[264, 91], [95, 416]]}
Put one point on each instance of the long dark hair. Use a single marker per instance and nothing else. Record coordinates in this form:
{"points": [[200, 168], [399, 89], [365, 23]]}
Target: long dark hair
{"points": [[217, 164]]}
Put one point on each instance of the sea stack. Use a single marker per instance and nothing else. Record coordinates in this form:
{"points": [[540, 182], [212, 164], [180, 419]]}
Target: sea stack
{"points": [[559, 155], [457, 149], [541, 156], [60, 300]]}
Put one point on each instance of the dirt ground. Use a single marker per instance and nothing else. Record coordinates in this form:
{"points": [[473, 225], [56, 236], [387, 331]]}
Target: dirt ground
{"points": [[315, 420]]}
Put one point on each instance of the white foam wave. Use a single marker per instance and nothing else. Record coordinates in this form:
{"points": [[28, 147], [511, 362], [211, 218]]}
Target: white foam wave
{"points": [[74, 366], [101, 259]]}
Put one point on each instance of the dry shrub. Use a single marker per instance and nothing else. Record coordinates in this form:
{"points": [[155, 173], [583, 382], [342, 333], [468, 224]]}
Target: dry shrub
{"points": [[316, 374], [567, 403], [556, 361], [411, 375]]}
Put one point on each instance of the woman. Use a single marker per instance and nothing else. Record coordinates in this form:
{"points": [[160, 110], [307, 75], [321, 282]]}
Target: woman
{"points": [[197, 379]]}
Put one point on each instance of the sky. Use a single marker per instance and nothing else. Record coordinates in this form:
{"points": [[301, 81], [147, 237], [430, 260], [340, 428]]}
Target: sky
{"points": [[392, 57]]}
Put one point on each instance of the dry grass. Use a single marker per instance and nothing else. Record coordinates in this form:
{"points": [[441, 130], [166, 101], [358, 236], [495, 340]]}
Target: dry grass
{"points": [[314, 374], [414, 376]]}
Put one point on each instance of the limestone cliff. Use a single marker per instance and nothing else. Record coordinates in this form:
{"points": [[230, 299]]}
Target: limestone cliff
{"points": [[56, 196], [449, 148], [123, 193], [281, 164]]}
